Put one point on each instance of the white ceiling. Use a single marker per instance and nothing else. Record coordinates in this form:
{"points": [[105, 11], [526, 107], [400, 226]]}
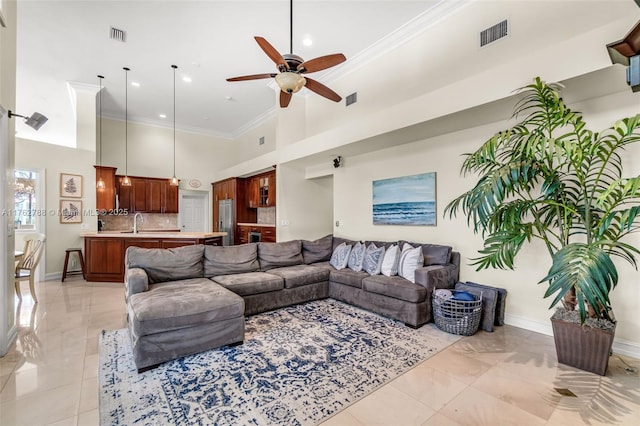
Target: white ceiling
{"points": [[68, 41]]}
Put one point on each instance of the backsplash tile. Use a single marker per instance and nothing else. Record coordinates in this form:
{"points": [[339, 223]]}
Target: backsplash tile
{"points": [[150, 221], [267, 215]]}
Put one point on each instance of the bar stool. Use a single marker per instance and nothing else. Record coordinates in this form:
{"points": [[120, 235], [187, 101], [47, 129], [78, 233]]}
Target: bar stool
{"points": [[66, 263]]}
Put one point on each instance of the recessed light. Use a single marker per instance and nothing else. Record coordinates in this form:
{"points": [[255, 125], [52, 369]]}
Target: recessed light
{"points": [[229, 98], [307, 41], [135, 84], [162, 115], [186, 79]]}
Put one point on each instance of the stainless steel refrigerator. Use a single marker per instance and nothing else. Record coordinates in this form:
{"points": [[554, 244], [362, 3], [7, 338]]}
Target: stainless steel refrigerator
{"points": [[225, 209]]}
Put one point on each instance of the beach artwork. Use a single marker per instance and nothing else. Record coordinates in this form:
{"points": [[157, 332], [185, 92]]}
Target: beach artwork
{"points": [[407, 200]]}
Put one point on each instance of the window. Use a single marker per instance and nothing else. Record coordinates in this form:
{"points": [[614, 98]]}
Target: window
{"points": [[26, 205]]}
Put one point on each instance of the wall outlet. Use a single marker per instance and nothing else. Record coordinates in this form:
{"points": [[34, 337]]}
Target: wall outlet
{"points": [[337, 223], [84, 226], [284, 222]]}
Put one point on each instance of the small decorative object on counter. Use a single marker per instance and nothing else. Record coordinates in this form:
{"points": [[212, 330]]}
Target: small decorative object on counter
{"points": [[457, 312]]}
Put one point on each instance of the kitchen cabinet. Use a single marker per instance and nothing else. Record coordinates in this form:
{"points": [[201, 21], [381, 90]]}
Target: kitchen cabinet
{"points": [[261, 190], [267, 233], [234, 189], [104, 255], [148, 195], [106, 197]]}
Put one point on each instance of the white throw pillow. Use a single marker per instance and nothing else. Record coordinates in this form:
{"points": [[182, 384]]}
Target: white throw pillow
{"points": [[390, 261], [340, 256], [356, 258], [373, 258], [410, 260]]}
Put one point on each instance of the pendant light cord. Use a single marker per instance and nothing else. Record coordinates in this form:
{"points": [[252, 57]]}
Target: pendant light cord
{"points": [[100, 122], [175, 67], [126, 112], [291, 26]]}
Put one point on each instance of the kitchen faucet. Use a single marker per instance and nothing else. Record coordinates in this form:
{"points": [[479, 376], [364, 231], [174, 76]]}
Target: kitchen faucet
{"points": [[135, 222]]}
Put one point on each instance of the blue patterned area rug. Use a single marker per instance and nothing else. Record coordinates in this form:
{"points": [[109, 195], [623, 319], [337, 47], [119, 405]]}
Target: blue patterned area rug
{"points": [[298, 366]]}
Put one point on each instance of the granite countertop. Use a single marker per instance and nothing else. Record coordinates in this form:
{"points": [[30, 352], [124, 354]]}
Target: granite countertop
{"points": [[152, 234], [266, 225]]}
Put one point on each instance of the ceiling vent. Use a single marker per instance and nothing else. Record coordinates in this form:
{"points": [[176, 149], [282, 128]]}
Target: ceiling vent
{"points": [[494, 33], [352, 98], [118, 34]]}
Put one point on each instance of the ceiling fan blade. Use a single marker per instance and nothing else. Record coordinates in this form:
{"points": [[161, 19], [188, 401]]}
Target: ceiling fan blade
{"points": [[285, 98], [271, 52], [321, 63], [252, 77], [322, 90]]}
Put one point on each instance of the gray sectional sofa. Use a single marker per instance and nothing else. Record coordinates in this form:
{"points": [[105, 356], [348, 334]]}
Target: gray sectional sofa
{"points": [[185, 300]]}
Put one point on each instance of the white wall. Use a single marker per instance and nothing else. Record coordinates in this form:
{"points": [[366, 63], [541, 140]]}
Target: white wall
{"points": [[442, 154], [304, 206], [56, 159], [7, 101]]}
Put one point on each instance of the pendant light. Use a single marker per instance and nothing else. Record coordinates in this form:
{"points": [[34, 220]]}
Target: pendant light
{"points": [[174, 180], [126, 181], [100, 185]]}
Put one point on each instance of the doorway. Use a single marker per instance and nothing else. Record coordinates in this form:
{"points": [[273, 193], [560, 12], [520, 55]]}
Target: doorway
{"points": [[193, 210]]}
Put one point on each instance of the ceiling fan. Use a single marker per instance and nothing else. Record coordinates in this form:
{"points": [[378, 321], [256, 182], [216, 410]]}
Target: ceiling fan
{"points": [[291, 68]]}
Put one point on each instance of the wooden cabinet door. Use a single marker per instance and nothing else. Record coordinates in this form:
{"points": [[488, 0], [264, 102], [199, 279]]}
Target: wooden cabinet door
{"points": [[125, 197], [104, 259], [105, 198], [154, 189], [253, 200], [178, 243], [215, 207], [142, 242], [268, 234], [170, 201], [243, 234], [139, 195], [270, 182]]}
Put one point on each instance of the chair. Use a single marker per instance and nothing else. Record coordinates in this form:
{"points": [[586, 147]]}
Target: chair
{"points": [[26, 267]]}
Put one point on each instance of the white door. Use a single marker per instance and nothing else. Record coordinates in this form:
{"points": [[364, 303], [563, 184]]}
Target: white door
{"points": [[194, 211]]}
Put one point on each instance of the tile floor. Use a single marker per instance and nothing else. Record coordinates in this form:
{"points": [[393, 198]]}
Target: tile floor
{"points": [[49, 377]]}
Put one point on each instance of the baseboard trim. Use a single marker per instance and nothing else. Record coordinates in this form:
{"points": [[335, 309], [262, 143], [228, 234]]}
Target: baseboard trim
{"points": [[53, 276], [620, 346]]}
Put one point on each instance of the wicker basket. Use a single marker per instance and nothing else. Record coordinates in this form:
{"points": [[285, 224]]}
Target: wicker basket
{"points": [[457, 316]]}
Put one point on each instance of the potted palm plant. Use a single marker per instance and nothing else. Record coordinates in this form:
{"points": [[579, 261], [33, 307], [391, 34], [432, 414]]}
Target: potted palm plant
{"points": [[550, 178]]}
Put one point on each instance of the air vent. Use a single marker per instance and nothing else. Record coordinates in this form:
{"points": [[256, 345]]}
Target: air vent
{"points": [[494, 33], [118, 34], [261, 140], [352, 98]]}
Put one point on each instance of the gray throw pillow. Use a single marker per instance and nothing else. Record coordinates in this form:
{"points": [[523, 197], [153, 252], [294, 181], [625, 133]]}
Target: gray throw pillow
{"points": [[163, 265], [276, 255], [224, 260], [356, 257], [373, 257], [340, 256], [317, 251], [500, 305], [489, 300]]}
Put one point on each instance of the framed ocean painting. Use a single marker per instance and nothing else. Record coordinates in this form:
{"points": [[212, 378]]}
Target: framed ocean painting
{"points": [[407, 200]]}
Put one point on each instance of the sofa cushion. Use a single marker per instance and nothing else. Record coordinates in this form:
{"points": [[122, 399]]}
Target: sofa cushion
{"points": [[373, 257], [396, 287], [340, 256], [250, 283], [390, 261], [222, 260], [348, 277], [276, 255], [299, 275], [410, 259], [167, 264], [356, 257], [339, 240], [318, 250], [489, 297], [178, 304]]}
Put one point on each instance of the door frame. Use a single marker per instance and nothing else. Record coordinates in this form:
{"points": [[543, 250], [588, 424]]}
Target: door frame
{"points": [[200, 194]]}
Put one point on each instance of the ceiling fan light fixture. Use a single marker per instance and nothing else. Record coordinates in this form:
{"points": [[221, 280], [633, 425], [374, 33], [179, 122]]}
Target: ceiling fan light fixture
{"points": [[290, 82]]}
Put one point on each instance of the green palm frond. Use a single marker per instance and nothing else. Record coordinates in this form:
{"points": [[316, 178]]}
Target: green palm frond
{"points": [[586, 268], [551, 178]]}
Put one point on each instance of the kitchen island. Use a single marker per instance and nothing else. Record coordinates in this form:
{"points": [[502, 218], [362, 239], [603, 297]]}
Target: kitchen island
{"points": [[104, 251]]}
